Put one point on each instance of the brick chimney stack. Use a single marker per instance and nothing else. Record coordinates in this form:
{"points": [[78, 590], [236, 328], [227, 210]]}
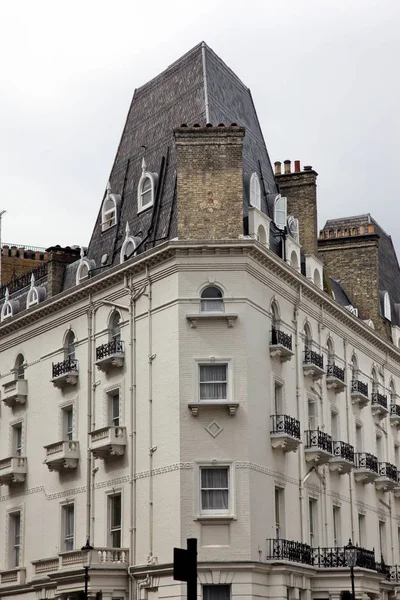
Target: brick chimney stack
{"points": [[300, 187], [58, 259], [210, 182]]}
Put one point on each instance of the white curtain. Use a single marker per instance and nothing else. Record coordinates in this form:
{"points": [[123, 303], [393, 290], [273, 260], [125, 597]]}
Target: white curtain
{"points": [[213, 382], [214, 489], [212, 305]]}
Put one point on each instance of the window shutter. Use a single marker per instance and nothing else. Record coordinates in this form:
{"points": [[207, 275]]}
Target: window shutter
{"points": [[280, 212]]}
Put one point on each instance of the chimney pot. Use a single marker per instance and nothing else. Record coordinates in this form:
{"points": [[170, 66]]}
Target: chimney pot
{"points": [[297, 166], [278, 165], [287, 164], [307, 167]]}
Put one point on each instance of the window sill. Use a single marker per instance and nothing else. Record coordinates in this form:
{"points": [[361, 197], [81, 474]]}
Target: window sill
{"points": [[195, 406], [193, 318], [144, 208], [105, 229], [215, 519]]}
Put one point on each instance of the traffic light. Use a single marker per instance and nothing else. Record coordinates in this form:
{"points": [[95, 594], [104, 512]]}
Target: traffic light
{"points": [[185, 567]]}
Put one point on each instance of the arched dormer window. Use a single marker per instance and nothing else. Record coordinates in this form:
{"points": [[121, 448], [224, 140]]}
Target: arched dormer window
{"points": [[69, 345], [280, 212], [84, 268], [129, 245], [211, 300], [115, 327], [19, 367], [255, 191], [307, 337], [146, 188], [9, 308], [387, 309], [109, 209], [35, 294]]}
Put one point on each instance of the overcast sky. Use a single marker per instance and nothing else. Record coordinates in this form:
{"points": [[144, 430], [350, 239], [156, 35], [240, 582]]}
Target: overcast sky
{"points": [[324, 77]]}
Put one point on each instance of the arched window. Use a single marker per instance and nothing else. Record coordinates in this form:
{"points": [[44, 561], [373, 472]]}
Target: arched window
{"points": [[211, 300], [83, 272], [35, 294], [331, 352], [9, 307], [261, 235], [317, 278], [70, 345], [387, 310], [115, 326], [255, 191], [109, 210], [280, 216], [146, 188], [129, 245], [307, 337], [84, 268], [294, 260], [19, 368]]}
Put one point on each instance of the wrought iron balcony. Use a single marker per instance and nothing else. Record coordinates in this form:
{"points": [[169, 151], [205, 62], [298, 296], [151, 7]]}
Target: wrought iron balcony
{"points": [[379, 405], [313, 364], [394, 574], [285, 432], [281, 344], [109, 355], [359, 393], [108, 441], [366, 469], [15, 392], [13, 470], [289, 550], [387, 477], [343, 457], [65, 372], [62, 455], [335, 378], [331, 558], [395, 415], [318, 446]]}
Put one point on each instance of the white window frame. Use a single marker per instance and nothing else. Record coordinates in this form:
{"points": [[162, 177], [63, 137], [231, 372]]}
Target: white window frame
{"points": [[255, 191], [64, 537], [313, 523], [6, 311], [67, 430], [229, 379], [205, 514], [280, 212], [79, 277], [110, 529], [216, 301], [112, 395], [387, 309], [109, 216], [15, 559], [336, 525], [146, 176], [382, 538], [362, 530], [279, 511], [32, 298], [278, 384], [127, 241]]}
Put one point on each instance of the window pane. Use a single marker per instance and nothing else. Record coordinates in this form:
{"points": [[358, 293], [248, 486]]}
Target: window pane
{"points": [[213, 382], [115, 410], [116, 511], [68, 516], [216, 592], [69, 423], [214, 489]]}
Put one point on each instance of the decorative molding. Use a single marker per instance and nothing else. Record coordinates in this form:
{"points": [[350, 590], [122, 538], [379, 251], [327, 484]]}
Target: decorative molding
{"points": [[214, 429]]}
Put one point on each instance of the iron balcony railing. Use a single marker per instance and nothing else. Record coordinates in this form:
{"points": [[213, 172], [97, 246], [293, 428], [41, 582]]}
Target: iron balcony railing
{"points": [[395, 410], [289, 550], [18, 283], [324, 558], [318, 439], [313, 358], [388, 470], [285, 424], [359, 387], [280, 338], [335, 371], [380, 399], [343, 450], [64, 367], [394, 573], [109, 349], [364, 460]]}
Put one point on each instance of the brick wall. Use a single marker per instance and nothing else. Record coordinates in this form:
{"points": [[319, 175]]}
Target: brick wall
{"points": [[210, 182]]}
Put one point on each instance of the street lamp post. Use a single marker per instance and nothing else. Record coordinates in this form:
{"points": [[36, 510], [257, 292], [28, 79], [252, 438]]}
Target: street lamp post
{"points": [[86, 561], [350, 554]]}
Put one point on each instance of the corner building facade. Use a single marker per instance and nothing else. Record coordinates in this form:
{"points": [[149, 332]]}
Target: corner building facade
{"points": [[196, 373]]}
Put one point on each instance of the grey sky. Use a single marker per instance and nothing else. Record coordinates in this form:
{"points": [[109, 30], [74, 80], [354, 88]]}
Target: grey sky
{"points": [[324, 77]]}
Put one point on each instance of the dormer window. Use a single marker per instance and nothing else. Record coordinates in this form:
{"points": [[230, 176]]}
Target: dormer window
{"points": [[109, 209], [146, 188], [280, 213], [129, 245], [35, 294], [211, 300], [387, 310], [7, 308], [84, 267], [255, 191]]}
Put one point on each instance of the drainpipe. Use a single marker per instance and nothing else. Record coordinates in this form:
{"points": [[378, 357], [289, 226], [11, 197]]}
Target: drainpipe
{"points": [[152, 448], [89, 419], [349, 440], [300, 456]]}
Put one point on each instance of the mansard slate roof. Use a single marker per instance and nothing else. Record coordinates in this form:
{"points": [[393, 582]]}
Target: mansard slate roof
{"points": [[198, 88]]}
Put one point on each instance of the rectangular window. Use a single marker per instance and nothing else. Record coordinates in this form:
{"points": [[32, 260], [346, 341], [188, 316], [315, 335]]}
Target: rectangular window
{"points": [[278, 398], [115, 519], [114, 410], [335, 427], [312, 414], [214, 490], [213, 382], [68, 423], [379, 448], [361, 530], [17, 441], [397, 456], [382, 538], [216, 592], [279, 513], [15, 528], [68, 527], [336, 526], [359, 437], [313, 521]]}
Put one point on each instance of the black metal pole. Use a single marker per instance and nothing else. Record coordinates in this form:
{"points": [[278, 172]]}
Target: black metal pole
{"points": [[191, 587], [352, 583], [86, 582]]}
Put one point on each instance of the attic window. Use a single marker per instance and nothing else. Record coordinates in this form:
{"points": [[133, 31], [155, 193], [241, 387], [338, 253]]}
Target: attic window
{"points": [[129, 245], [109, 210], [387, 311], [255, 191], [146, 189], [33, 295], [7, 309], [82, 274], [280, 213]]}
